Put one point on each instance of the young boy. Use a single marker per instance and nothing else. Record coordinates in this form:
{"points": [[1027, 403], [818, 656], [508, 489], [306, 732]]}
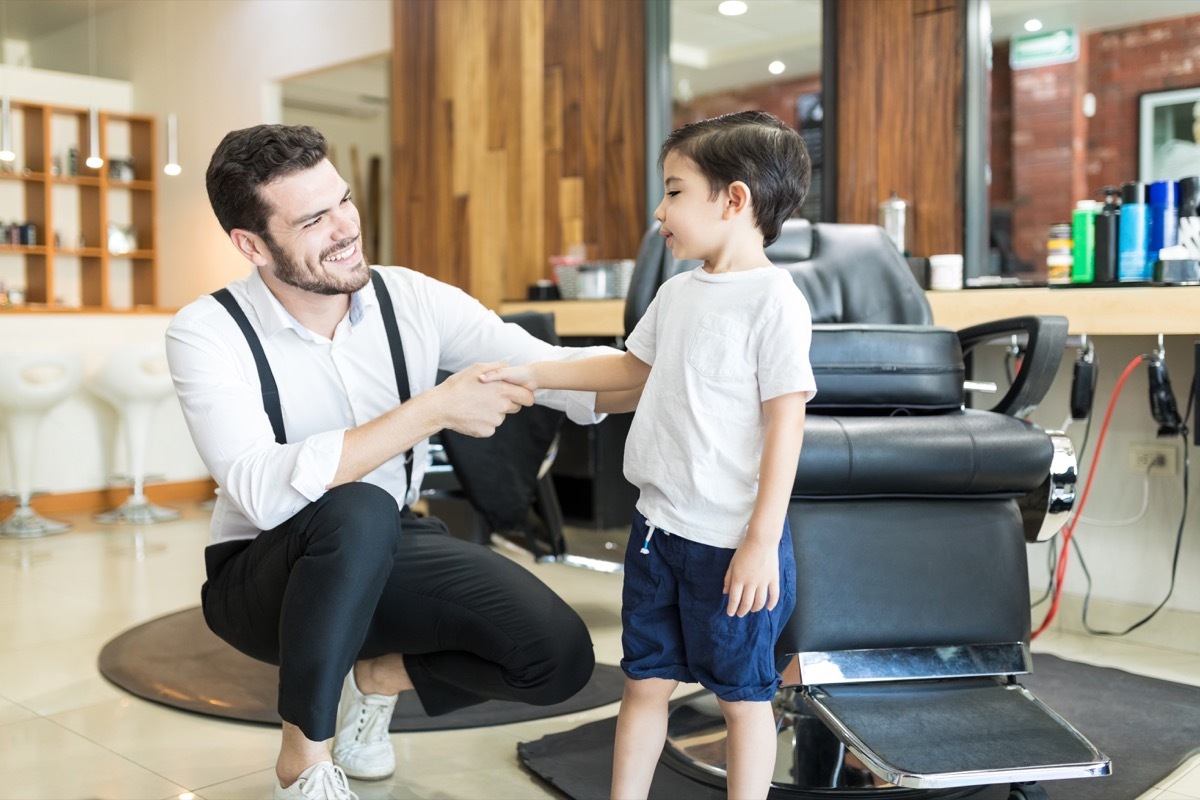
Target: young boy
{"points": [[722, 352]]}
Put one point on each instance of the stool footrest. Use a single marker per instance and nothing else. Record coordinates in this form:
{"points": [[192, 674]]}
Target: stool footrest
{"points": [[25, 523], [961, 732], [137, 511]]}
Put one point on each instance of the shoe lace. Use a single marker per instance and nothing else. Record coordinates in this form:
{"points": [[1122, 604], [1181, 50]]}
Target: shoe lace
{"points": [[373, 721], [327, 783]]}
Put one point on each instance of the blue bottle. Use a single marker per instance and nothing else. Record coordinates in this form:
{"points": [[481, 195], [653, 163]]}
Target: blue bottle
{"points": [[1164, 216], [1133, 241]]}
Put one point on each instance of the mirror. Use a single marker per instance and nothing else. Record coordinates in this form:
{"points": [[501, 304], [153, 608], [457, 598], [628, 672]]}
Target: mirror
{"points": [[758, 54], [1064, 113], [350, 104]]}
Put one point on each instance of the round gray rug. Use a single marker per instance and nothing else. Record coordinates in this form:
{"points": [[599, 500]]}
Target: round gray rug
{"points": [[177, 661]]}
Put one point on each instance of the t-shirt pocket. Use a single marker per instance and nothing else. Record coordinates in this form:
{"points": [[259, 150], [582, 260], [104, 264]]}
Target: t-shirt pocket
{"points": [[718, 349]]}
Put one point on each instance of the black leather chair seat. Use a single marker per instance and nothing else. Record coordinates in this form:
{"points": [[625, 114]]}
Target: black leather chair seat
{"points": [[963, 453]]}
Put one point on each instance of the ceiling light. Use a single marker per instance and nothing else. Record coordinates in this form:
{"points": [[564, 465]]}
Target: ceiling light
{"points": [[1033, 25], [776, 67], [732, 8]]}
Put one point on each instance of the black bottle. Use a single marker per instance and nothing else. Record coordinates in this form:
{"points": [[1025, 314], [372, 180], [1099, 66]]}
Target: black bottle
{"points": [[1108, 223]]}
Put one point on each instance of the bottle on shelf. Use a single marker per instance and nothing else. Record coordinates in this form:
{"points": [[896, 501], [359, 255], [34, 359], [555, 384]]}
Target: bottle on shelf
{"points": [[1083, 237], [1163, 200], [1133, 262], [1108, 220], [1058, 253]]}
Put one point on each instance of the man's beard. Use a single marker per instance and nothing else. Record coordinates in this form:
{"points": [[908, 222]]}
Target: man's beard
{"points": [[293, 273]]}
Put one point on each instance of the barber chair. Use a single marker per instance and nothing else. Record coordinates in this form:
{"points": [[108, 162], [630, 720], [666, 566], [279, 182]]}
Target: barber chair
{"points": [[501, 484], [909, 517]]}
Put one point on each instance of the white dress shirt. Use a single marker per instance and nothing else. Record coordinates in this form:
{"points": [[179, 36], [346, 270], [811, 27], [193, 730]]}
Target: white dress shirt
{"points": [[327, 386]]}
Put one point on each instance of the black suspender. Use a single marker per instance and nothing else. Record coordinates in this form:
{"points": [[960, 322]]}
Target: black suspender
{"points": [[270, 392]]}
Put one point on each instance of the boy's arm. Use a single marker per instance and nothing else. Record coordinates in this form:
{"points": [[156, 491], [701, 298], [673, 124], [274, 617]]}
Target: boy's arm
{"points": [[614, 373], [752, 581]]}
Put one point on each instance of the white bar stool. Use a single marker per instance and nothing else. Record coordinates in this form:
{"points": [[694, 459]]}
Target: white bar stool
{"points": [[31, 384], [134, 379]]}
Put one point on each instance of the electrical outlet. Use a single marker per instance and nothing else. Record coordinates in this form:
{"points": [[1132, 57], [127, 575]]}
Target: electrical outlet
{"points": [[1153, 459]]}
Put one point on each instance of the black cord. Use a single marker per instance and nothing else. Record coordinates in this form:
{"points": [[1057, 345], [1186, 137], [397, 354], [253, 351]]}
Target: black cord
{"points": [[1052, 552], [1183, 434]]}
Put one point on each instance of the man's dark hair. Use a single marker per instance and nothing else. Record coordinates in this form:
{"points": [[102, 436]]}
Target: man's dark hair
{"points": [[252, 157], [756, 148]]}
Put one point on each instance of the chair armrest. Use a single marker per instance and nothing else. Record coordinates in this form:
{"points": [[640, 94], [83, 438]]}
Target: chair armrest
{"points": [[1046, 338]]}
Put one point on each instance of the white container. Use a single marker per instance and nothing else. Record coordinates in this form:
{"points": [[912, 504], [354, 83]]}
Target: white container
{"points": [[946, 272]]}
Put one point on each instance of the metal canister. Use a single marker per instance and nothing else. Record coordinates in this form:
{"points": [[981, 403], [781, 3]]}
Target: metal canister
{"points": [[893, 218]]}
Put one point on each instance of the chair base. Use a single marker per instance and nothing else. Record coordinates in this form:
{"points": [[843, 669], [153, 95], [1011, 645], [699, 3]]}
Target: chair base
{"points": [[25, 523], [137, 511], [810, 763]]}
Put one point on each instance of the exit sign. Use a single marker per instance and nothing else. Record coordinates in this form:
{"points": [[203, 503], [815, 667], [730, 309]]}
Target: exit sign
{"points": [[1043, 49]]}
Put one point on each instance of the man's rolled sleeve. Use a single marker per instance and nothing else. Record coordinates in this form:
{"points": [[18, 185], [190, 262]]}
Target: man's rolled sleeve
{"points": [[317, 463]]}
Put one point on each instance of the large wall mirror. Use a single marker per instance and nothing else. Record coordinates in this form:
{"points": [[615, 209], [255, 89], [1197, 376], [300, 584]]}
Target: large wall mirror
{"points": [[733, 55], [1069, 83]]}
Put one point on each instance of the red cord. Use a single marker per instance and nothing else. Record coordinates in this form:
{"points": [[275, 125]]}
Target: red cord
{"points": [[1068, 530]]}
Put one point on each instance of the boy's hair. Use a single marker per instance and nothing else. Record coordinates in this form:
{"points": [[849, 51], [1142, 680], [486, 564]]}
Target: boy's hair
{"points": [[252, 157], [756, 148]]}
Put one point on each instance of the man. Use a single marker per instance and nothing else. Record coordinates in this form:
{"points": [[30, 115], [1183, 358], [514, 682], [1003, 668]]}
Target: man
{"points": [[316, 563]]}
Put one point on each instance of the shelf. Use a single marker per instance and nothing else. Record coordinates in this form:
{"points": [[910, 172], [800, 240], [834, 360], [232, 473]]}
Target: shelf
{"points": [[82, 207], [1096, 311]]}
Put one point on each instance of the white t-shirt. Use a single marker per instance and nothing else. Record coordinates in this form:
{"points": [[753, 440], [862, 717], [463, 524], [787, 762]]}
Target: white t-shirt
{"points": [[327, 386], [720, 345]]}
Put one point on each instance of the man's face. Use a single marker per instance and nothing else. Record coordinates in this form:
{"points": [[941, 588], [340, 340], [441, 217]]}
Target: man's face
{"points": [[313, 235]]}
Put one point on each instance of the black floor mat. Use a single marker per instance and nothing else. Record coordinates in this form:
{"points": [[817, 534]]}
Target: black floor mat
{"points": [[177, 661], [1146, 726]]}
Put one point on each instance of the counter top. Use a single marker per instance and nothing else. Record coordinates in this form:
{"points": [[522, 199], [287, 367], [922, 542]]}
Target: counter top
{"points": [[1096, 311]]}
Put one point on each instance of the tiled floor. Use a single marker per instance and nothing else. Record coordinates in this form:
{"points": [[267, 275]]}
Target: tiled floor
{"points": [[65, 732]]}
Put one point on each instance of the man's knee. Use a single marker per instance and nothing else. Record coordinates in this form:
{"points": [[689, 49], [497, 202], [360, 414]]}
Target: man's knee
{"points": [[565, 658], [358, 515]]}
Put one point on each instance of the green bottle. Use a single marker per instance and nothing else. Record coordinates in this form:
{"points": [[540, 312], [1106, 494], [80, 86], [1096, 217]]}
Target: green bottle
{"points": [[1083, 234]]}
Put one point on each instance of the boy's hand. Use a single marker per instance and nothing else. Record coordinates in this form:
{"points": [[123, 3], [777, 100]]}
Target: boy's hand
{"points": [[752, 580], [522, 375]]}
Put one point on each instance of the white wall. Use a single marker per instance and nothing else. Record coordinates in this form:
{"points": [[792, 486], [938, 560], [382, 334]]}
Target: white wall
{"points": [[1130, 565], [216, 64]]}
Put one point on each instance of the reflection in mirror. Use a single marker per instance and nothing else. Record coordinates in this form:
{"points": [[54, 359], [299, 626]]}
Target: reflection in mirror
{"points": [[1070, 84], [766, 57], [350, 105]]}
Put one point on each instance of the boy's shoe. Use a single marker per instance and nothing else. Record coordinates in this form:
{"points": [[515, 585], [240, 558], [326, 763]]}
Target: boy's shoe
{"points": [[321, 781], [362, 747]]}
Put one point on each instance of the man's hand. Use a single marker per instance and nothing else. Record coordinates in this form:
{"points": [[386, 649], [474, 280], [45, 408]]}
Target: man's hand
{"points": [[472, 407], [523, 375], [752, 580]]}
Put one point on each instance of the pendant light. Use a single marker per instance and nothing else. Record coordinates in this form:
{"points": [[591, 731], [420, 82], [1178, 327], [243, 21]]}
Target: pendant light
{"points": [[6, 145], [172, 166], [94, 159]]}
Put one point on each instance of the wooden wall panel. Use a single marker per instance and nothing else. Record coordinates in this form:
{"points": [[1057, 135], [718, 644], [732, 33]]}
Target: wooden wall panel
{"points": [[900, 112], [517, 132]]}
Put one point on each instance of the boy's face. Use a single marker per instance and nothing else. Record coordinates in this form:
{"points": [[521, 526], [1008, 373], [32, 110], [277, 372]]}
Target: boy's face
{"points": [[689, 215]]}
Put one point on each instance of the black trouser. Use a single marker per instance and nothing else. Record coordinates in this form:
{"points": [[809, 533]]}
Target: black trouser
{"points": [[351, 577]]}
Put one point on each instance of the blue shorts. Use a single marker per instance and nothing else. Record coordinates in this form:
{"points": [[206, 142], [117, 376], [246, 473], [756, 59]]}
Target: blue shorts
{"points": [[674, 624]]}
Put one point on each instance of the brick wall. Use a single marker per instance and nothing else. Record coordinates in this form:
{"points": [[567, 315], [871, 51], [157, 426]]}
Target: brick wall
{"points": [[1045, 154]]}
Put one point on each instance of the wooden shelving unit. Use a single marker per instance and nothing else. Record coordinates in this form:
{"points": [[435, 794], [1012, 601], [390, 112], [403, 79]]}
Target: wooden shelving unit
{"points": [[73, 207]]}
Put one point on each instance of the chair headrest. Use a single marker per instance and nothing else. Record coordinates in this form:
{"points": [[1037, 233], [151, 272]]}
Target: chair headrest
{"points": [[848, 273]]}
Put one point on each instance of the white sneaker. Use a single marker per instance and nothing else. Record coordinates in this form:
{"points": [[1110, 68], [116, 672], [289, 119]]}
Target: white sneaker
{"points": [[321, 781], [362, 747]]}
